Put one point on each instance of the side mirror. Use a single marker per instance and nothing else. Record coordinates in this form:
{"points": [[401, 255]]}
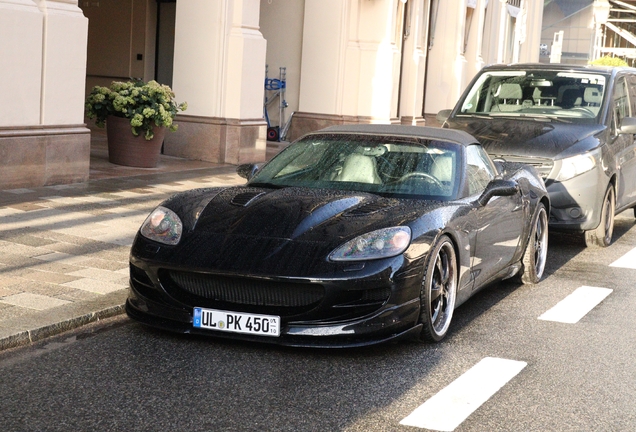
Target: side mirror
{"points": [[498, 187], [628, 125], [443, 115], [247, 171]]}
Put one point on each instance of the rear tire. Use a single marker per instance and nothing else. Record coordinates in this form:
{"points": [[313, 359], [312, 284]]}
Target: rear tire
{"points": [[534, 257], [602, 235], [438, 291]]}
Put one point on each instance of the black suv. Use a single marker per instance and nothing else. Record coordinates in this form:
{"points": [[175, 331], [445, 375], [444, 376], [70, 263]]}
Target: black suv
{"points": [[574, 124]]}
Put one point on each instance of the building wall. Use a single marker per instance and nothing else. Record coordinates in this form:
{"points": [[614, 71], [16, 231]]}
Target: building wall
{"points": [[578, 33], [347, 61], [42, 136]]}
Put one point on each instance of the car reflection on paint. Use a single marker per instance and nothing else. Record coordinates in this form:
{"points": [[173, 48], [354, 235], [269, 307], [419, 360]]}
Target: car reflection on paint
{"points": [[352, 235]]}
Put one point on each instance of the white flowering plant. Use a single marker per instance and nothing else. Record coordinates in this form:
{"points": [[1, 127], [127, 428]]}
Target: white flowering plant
{"points": [[145, 104]]}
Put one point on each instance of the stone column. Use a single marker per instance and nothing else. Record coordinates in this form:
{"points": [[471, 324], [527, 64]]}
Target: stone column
{"points": [[446, 64], [494, 31], [350, 63], [219, 70], [529, 50], [21, 29], [65, 41], [414, 63], [43, 139], [474, 59]]}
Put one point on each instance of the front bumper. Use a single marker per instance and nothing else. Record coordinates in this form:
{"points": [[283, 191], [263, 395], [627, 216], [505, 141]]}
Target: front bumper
{"points": [[576, 203], [326, 323]]}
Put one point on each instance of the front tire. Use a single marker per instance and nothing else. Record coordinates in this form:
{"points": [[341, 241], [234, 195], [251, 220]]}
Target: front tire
{"points": [[438, 291], [534, 257], [602, 235]]}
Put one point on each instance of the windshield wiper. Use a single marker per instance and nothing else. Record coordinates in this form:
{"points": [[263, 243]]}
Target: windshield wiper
{"points": [[484, 116], [266, 185], [547, 117]]}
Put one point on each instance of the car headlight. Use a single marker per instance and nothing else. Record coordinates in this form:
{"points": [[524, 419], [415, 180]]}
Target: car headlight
{"points": [[162, 225], [383, 243], [576, 165]]}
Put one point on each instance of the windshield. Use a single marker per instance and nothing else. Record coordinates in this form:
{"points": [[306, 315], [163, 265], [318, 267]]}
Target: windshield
{"points": [[389, 166], [565, 95]]}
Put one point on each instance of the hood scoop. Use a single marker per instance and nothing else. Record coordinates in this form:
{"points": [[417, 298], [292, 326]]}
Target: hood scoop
{"points": [[369, 208], [243, 199]]}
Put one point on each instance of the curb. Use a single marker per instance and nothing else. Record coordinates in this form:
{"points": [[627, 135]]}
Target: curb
{"points": [[24, 331], [28, 337]]}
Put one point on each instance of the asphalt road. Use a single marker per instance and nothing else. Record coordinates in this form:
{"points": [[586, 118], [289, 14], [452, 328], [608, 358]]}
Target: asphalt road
{"points": [[580, 376]]}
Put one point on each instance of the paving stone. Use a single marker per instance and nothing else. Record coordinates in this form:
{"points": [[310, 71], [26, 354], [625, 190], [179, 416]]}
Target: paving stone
{"points": [[9, 248], [97, 274], [9, 286], [119, 254], [96, 286], [76, 295], [113, 266], [16, 261], [20, 191], [50, 277], [30, 240], [57, 267], [59, 257], [9, 312], [27, 206], [33, 301], [44, 288]]}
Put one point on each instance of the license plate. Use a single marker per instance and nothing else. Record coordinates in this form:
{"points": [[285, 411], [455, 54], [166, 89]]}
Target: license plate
{"points": [[237, 322]]}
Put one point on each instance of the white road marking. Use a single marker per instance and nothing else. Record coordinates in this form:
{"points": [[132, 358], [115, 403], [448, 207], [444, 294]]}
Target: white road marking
{"points": [[626, 261], [453, 404], [574, 307]]}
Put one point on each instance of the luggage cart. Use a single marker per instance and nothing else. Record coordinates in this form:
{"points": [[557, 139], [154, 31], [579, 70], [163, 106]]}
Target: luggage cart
{"points": [[275, 89]]}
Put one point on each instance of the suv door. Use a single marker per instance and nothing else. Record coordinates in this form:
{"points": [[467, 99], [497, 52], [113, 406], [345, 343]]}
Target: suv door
{"points": [[623, 143]]}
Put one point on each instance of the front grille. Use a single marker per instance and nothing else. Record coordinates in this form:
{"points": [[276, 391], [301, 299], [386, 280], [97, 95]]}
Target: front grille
{"points": [[248, 292], [543, 166]]}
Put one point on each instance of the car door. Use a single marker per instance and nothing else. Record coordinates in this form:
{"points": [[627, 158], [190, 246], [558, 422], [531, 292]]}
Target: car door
{"points": [[498, 224], [627, 159], [623, 144]]}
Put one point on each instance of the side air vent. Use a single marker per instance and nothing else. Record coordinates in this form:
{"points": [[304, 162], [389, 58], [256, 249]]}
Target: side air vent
{"points": [[368, 208], [245, 198]]}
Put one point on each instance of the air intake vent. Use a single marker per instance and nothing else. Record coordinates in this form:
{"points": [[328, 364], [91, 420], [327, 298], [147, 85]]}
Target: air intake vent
{"points": [[368, 208], [245, 198]]}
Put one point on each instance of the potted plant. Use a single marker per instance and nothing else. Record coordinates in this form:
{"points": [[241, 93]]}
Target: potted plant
{"points": [[136, 115]]}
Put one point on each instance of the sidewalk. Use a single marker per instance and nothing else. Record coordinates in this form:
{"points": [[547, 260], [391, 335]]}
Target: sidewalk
{"points": [[64, 249]]}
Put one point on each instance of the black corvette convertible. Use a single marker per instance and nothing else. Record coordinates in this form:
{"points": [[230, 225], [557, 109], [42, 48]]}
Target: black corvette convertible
{"points": [[352, 235]]}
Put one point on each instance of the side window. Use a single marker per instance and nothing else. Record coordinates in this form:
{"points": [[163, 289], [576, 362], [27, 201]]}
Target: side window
{"points": [[621, 107], [479, 169]]}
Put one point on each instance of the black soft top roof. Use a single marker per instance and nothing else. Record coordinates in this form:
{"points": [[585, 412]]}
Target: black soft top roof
{"points": [[432, 133]]}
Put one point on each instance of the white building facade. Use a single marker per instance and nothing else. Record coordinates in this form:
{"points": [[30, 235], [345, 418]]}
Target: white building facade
{"points": [[345, 61]]}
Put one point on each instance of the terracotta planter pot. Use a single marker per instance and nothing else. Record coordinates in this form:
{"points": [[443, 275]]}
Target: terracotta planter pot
{"points": [[126, 149]]}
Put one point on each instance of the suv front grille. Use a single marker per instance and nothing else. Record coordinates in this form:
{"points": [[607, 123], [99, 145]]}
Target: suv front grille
{"points": [[543, 166]]}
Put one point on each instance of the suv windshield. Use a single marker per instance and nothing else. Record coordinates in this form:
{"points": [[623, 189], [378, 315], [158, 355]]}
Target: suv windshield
{"points": [[389, 166], [565, 95]]}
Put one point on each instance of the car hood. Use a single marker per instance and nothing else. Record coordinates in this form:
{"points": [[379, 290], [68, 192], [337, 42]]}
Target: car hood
{"points": [[527, 138], [286, 231], [301, 214]]}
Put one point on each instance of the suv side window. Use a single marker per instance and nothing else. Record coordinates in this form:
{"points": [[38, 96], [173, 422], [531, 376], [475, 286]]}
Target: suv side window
{"points": [[479, 169], [621, 107]]}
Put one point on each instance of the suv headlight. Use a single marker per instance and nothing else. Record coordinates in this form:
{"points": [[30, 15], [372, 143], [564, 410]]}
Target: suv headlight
{"points": [[163, 226], [576, 165], [382, 243]]}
